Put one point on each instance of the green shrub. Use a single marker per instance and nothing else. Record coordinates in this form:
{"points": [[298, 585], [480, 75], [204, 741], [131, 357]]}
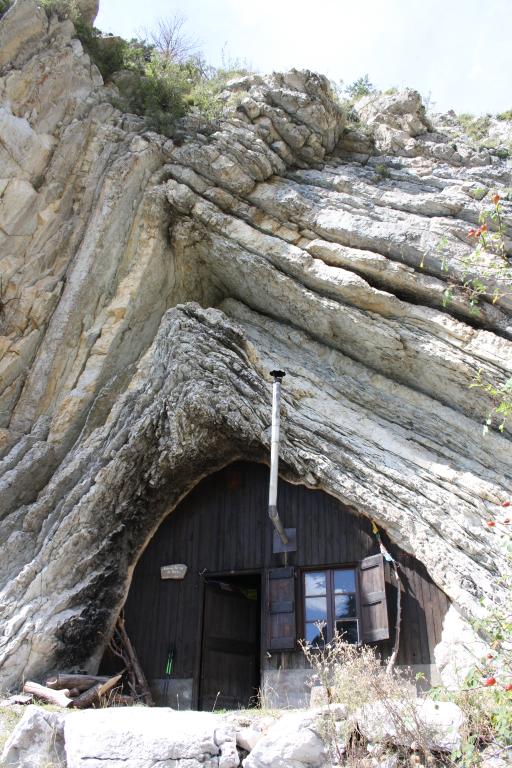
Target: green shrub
{"points": [[4, 6], [162, 93], [156, 86], [160, 90], [502, 152], [64, 9], [110, 54], [205, 94], [359, 88], [476, 128], [346, 105], [507, 115], [382, 172]]}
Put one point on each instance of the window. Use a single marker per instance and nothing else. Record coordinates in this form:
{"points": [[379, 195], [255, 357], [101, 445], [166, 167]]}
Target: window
{"points": [[330, 598], [350, 600]]}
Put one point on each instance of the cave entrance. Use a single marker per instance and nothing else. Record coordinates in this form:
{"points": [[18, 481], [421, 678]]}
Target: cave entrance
{"points": [[213, 612], [230, 646]]}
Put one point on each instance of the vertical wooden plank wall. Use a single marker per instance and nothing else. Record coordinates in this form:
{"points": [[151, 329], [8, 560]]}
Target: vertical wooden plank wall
{"points": [[223, 526]]}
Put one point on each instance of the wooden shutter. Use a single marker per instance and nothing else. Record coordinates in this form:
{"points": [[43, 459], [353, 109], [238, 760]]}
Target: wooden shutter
{"points": [[282, 631], [372, 595]]}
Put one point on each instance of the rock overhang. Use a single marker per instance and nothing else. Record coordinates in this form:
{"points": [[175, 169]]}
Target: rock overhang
{"points": [[118, 398]]}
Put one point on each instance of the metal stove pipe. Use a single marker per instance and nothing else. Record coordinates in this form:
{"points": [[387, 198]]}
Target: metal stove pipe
{"points": [[274, 455]]}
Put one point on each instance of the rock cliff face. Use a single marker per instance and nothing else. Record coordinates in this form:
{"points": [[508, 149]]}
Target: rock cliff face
{"points": [[148, 285]]}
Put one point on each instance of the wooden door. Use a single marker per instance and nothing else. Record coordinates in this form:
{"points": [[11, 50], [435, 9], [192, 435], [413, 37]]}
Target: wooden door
{"points": [[230, 673]]}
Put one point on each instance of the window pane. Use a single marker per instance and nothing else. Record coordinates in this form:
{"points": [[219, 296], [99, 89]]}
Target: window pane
{"points": [[345, 581], [348, 631], [345, 606], [315, 583], [316, 608], [314, 635]]}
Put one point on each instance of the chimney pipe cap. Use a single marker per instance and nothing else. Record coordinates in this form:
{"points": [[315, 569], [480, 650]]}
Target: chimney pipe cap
{"points": [[278, 374]]}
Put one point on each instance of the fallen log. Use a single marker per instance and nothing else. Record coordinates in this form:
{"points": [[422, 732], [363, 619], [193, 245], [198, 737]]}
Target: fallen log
{"points": [[80, 682], [60, 698], [95, 694]]}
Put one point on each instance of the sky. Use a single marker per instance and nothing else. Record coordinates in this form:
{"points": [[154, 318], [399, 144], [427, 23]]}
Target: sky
{"points": [[456, 53]]}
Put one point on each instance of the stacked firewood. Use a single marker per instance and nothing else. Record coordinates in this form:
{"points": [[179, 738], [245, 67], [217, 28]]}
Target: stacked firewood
{"points": [[84, 691], [79, 691]]}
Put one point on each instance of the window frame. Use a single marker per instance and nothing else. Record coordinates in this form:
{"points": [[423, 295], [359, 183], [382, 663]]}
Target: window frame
{"points": [[330, 595]]}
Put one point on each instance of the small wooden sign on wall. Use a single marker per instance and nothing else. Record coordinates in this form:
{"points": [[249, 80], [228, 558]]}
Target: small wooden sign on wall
{"points": [[176, 571]]}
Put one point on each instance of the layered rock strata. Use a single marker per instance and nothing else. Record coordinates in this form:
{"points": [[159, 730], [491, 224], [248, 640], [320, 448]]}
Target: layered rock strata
{"points": [[149, 284]]}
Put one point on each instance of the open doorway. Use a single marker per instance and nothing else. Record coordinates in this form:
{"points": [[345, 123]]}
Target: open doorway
{"points": [[230, 647]]}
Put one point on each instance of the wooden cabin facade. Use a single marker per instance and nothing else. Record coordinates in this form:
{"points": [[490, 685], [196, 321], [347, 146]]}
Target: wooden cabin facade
{"points": [[230, 627]]}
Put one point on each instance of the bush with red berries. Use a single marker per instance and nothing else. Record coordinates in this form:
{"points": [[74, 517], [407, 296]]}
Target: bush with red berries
{"points": [[486, 695], [489, 685], [486, 274]]}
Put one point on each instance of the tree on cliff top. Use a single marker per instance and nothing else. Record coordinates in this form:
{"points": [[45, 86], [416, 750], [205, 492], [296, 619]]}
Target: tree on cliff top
{"points": [[170, 39], [164, 73]]}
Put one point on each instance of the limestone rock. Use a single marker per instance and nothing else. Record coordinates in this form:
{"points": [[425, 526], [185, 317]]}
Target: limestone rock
{"points": [[37, 740], [21, 29], [137, 737], [403, 111], [495, 756], [148, 285], [293, 742], [88, 9], [459, 650], [435, 724], [247, 738]]}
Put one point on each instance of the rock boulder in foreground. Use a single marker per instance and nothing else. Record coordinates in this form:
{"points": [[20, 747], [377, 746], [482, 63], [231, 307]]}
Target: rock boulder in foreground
{"points": [[138, 737]]}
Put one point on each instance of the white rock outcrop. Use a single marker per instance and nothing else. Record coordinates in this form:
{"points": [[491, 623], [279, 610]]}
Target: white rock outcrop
{"points": [[37, 740], [293, 742], [247, 738], [137, 737], [403, 111], [420, 723], [149, 284], [459, 651]]}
